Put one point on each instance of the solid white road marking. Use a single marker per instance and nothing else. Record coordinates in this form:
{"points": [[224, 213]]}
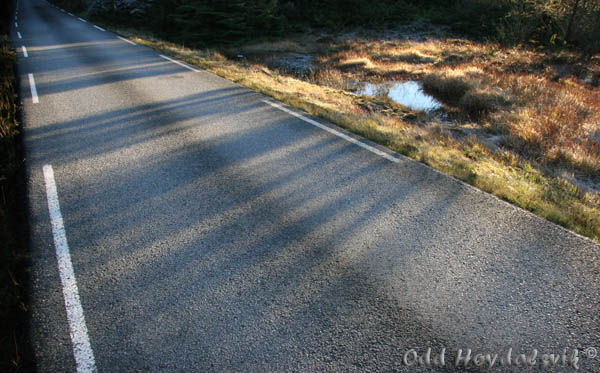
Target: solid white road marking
{"points": [[99, 28], [71, 14], [127, 40], [335, 132], [84, 356], [34, 95], [19, 35], [180, 63], [24, 51], [81, 19]]}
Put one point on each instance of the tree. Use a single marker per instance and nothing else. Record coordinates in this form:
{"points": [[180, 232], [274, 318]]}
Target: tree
{"points": [[217, 21]]}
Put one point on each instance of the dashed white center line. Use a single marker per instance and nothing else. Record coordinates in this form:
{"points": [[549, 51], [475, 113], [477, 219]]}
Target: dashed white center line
{"points": [[24, 51], [84, 356], [34, 95], [62, 10], [16, 24], [81, 19], [180, 63], [19, 35], [335, 132], [71, 14], [99, 28], [127, 40]]}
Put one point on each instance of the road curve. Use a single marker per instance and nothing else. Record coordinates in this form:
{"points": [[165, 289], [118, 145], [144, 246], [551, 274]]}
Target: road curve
{"points": [[209, 230]]}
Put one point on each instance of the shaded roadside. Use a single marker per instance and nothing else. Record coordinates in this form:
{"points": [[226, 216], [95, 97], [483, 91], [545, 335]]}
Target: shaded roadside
{"points": [[15, 351]]}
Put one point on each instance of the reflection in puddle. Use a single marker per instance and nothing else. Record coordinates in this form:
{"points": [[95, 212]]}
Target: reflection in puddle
{"points": [[409, 94]]}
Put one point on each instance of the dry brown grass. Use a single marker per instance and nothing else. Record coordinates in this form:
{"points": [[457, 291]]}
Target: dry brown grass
{"points": [[540, 99], [557, 124]]}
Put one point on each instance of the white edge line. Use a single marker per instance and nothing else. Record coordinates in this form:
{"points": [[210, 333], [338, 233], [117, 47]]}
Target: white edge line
{"points": [[180, 63], [34, 95], [84, 356], [335, 132], [19, 35], [99, 28], [127, 40], [24, 51], [81, 19]]}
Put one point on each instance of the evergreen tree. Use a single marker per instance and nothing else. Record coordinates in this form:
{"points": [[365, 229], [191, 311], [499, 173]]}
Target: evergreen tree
{"points": [[209, 22]]}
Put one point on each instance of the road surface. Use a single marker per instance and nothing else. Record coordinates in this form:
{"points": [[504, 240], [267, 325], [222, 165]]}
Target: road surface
{"points": [[180, 222]]}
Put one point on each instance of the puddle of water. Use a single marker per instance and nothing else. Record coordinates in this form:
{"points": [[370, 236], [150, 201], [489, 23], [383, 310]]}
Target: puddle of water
{"points": [[409, 94]]}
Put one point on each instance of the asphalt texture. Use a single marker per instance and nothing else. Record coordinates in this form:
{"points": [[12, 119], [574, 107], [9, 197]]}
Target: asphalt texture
{"points": [[210, 231]]}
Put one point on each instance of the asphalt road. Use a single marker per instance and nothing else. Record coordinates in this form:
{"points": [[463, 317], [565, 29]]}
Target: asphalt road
{"points": [[211, 231]]}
